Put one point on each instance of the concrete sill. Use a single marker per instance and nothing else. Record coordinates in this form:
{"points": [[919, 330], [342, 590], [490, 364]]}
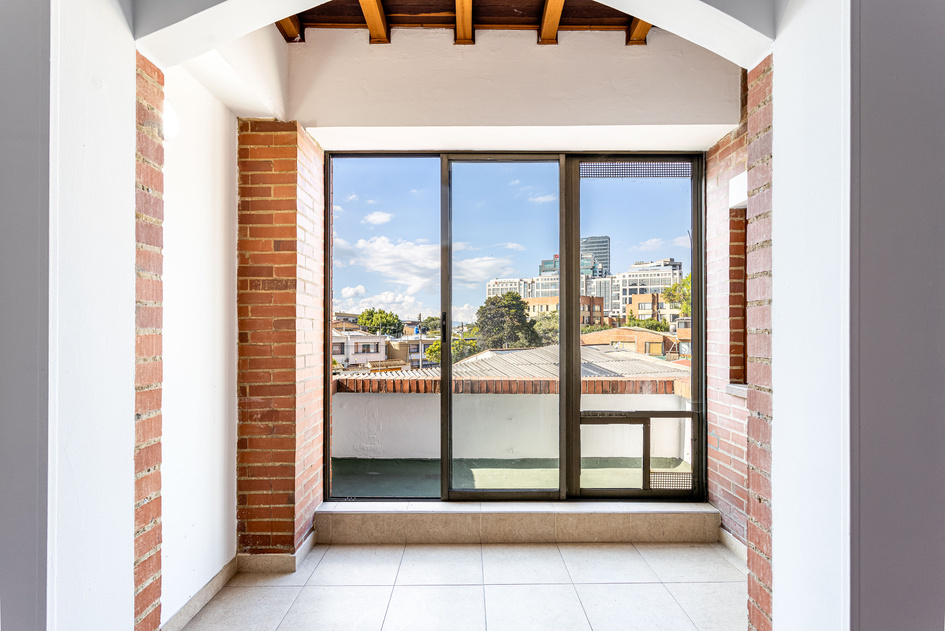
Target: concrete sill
{"points": [[737, 390]]}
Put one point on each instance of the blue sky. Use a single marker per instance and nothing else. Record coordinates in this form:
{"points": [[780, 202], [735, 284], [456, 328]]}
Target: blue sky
{"points": [[505, 221]]}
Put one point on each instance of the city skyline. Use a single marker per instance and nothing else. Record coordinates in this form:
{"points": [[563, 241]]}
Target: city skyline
{"points": [[386, 212]]}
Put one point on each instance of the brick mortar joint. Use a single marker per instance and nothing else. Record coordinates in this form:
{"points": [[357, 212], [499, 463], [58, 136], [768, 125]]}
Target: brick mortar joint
{"points": [[154, 221], [762, 245], [759, 303], [148, 580], [154, 523], [148, 248], [143, 159], [151, 79], [148, 611], [146, 472], [760, 106], [757, 275], [764, 73], [144, 416], [149, 387], [148, 499], [149, 130], [150, 191]]}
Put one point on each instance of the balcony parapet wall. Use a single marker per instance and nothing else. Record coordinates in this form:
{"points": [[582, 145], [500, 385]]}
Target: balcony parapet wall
{"points": [[431, 385]]}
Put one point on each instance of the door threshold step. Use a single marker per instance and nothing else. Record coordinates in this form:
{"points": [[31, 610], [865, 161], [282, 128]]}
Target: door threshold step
{"points": [[516, 522]]}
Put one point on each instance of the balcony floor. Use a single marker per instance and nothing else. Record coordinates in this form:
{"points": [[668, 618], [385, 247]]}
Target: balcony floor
{"points": [[520, 587], [418, 478]]}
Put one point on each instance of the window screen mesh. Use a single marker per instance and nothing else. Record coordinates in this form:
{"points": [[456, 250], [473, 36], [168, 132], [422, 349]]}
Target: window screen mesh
{"points": [[636, 169]]}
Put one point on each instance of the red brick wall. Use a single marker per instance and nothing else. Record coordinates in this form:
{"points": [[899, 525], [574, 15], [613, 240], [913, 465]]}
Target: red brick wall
{"points": [[281, 356], [759, 345], [149, 234], [725, 330]]}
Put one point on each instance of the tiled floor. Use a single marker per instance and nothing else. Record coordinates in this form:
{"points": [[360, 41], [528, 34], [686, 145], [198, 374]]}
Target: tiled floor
{"points": [[494, 587]]}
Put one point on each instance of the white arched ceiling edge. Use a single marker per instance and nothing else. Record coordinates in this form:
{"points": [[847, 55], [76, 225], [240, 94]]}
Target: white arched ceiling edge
{"points": [[170, 32]]}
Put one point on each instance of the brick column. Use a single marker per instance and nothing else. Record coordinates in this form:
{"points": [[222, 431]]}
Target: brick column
{"points": [[759, 345], [149, 236], [281, 352], [725, 329]]}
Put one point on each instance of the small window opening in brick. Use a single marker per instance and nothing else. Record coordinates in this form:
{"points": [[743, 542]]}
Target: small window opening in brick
{"points": [[738, 307]]}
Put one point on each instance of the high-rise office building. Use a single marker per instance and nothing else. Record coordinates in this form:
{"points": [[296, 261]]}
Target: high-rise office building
{"points": [[600, 248]]}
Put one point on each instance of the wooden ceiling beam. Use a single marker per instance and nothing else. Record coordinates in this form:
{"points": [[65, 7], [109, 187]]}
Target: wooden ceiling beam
{"points": [[464, 25], [636, 34], [291, 29], [550, 18], [373, 12]]}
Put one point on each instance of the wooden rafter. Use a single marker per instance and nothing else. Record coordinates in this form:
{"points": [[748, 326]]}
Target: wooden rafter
{"points": [[636, 34], [291, 29], [376, 21], [550, 18], [464, 25]]}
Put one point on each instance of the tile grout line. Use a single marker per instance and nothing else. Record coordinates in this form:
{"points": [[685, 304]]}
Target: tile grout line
{"points": [[482, 566], [304, 585], [403, 553], [668, 590], [573, 586]]}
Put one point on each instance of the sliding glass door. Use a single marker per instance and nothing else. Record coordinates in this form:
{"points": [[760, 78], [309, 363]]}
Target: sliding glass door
{"points": [[502, 414], [540, 321]]}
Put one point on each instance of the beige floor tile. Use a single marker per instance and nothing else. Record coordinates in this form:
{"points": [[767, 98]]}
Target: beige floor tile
{"points": [[436, 608], [245, 609], [299, 577], [441, 565], [642, 607], [334, 608], [534, 608], [713, 606], [606, 563], [523, 564], [358, 565], [688, 563]]}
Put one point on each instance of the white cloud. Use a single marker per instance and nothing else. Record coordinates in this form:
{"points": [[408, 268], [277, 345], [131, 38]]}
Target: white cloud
{"points": [[513, 246], [649, 245], [337, 208], [371, 201], [377, 218], [465, 314], [404, 305], [351, 292], [513, 182], [682, 242], [351, 197], [416, 191], [543, 199], [415, 267], [472, 273]]}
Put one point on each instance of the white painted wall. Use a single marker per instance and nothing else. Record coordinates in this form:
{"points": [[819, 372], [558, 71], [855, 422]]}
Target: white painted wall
{"points": [[92, 316], [589, 81], [811, 467], [200, 337], [247, 75], [487, 426]]}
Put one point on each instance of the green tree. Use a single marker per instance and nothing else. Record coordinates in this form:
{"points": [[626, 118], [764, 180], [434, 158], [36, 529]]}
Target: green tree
{"points": [[592, 328], [546, 326], [680, 294], [461, 350], [381, 322], [431, 324], [503, 323], [653, 325]]}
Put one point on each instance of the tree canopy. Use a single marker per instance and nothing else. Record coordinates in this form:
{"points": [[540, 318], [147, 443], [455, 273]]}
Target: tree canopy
{"points": [[431, 324], [681, 294], [503, 323], [381, 322], [461, 349], [546, 326]]}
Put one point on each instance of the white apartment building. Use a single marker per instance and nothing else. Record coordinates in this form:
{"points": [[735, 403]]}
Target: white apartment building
{"points": [[652, 277], [355, 348]]}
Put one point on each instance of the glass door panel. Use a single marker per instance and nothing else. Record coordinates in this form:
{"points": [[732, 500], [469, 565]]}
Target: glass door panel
{"points": [[635, 319], [504, 351]]}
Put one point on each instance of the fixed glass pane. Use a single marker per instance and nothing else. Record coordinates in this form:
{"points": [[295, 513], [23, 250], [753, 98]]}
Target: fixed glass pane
{"points": [[611, 456], [636, 273], [385, 409], [505, 424]]}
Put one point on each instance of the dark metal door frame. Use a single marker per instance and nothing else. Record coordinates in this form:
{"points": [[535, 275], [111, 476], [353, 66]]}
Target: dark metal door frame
{"points": [[570, 416]]}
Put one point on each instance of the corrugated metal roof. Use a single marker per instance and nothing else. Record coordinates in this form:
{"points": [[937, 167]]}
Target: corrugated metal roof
{"points": [[542, 363]]}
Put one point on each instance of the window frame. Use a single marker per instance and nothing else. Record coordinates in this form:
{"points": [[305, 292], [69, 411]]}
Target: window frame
{"points": [[570, 418]]}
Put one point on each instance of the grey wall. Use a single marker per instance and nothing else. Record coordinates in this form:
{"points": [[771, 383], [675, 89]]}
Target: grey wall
{"points": [[898, 315], [24, 211]]}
